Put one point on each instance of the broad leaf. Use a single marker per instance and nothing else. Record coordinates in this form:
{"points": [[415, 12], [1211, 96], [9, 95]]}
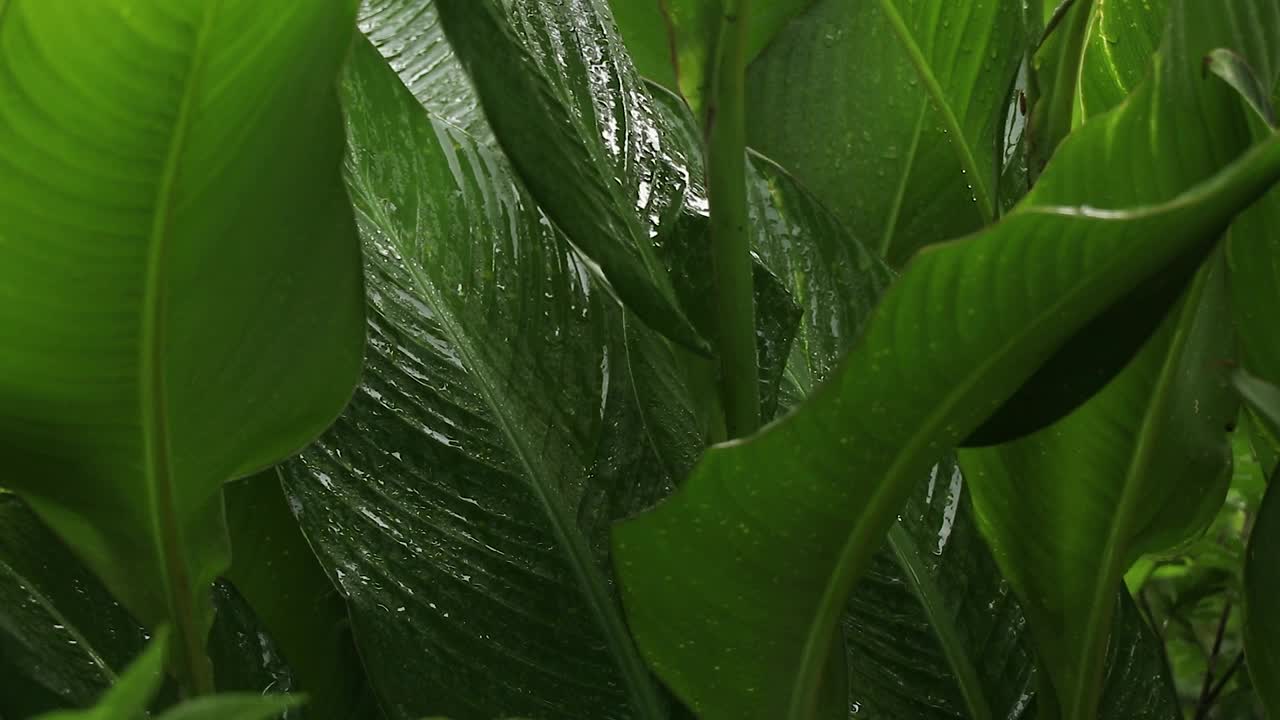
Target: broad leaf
{"points": [[180, 274], [566, 121], [891, 111], [933, 631], [1121, 38], [462, 503], [1140, 467], [773, 531]]}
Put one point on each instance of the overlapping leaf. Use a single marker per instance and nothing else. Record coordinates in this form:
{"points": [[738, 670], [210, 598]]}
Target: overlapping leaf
{"points": [[179, 271], [1261, 579], [966, 325], [891, 112], [1138, 468]]}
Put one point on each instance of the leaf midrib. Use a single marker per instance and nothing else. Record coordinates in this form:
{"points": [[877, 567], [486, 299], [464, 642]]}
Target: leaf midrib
{"points": [[961, 143], [1101, 606], [157, 460], [600, 600]]}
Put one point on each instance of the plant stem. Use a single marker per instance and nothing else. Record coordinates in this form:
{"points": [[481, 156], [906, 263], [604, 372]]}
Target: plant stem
{"points": [[730, 239], [1206, 695], [1062, 94]]}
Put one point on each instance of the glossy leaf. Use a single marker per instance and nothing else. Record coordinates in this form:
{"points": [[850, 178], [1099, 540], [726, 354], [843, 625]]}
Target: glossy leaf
{"points": [[1261, 587], [181, 285], [1140, 467], [569, 148], [64, 639], [823, 484], [462, 502], [130, 697], [890, 111]]}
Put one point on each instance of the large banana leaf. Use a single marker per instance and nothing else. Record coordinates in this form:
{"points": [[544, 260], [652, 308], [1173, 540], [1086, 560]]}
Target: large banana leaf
{"points": [[1140, 467], [891, 111], [773, 531], [462, 503], [179, 274]]}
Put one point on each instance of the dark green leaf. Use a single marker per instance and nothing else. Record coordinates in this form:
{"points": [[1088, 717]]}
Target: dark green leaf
{"points": [[293, 600], [1261, 588], [890, 111], [1140, 467], [773, 531], [129, 697], [1263, 397], [462, 503], [180, 274], [589, 156]]}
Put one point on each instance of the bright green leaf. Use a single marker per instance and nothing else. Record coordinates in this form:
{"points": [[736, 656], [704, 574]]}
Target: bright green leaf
{"points": [[890, 111], [179, 274], [960, 332], [229, 706], [1141, 466], [1121, 39]]}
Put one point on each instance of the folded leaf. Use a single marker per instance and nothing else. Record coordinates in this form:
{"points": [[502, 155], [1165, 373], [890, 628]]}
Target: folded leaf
{"points": [[590, 157], [774, 530], [180, 271], [890, 111], [1140, 467]]}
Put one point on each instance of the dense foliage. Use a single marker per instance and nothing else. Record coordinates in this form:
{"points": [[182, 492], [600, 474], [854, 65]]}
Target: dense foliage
{"points": [[903, 359]]}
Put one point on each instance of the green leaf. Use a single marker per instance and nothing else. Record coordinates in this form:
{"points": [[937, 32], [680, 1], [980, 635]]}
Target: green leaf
{"points": [[1121, 39], [129, 697], [1235, 71], [293, 600], [179, 273], [1261, 588], [891, 111], [1140, 467], [230, 706], [650, 27], [1262, 396], [580, 147], [63, 638], [462, 503], [773, 531]]}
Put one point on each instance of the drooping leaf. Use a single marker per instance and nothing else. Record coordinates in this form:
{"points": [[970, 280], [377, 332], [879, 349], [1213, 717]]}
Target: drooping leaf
{"points": [[773, 531], [1236, 72], [933, 631], [1261, 587], [1140, 467], [289, 596], [180, 274], [890, 111], [566, 121]]}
